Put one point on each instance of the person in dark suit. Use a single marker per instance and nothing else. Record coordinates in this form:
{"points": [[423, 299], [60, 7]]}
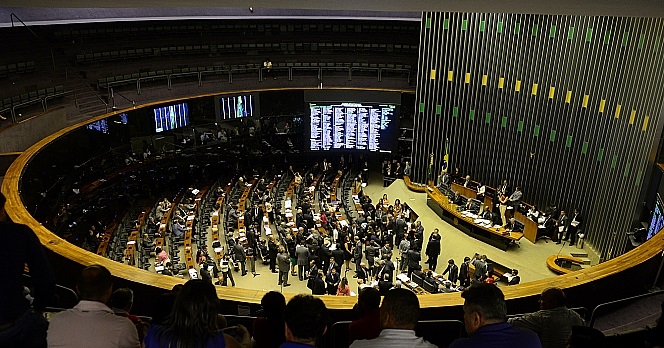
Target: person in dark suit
{"points": [[561, 226], [362, 273], [284, 266], [319, 285], [273, 250], [515, 278], [574, 227], [332, 279], [464, 273], [384, 284], [453, 271], [240, 257], [414, 259], [386, 267], [513, 226], [433, 250]]}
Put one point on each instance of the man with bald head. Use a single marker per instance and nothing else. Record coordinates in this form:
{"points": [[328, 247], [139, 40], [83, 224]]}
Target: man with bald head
{"points": [[553, 323], [398, 317], [91, 323]]}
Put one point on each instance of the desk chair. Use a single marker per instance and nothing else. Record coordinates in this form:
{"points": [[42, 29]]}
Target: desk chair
{"points": [[543, 236]]}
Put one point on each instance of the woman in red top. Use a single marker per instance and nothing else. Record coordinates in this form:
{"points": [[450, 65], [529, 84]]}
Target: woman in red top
{"points": [[343, 289]]}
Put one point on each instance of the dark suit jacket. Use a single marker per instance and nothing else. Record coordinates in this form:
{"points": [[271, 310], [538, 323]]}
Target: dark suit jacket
{"points": [[464, 272]]}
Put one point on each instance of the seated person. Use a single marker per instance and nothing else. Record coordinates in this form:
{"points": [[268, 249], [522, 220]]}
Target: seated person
{"points": [[399, 313], [485, 318], [513, 226], [457, 199], [448, 287], [546, 229], [553, 323], [367, 326], [178, 228], [82, 325], [513, 278], [533, 213], [269, 329]]}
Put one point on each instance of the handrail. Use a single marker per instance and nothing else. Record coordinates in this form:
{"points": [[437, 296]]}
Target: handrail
{"points": [[67, 68], [601, 306], [13, 15]]}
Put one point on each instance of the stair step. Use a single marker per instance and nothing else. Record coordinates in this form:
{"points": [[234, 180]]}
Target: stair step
{"points": [[579, 253], [586, 261]]}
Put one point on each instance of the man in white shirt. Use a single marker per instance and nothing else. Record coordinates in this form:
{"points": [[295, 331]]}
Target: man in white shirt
{"points": [[398, 316], [91, 323]]}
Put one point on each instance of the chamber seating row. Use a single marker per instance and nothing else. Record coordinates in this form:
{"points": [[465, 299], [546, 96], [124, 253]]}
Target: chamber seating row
{"points": [[243, 48]]}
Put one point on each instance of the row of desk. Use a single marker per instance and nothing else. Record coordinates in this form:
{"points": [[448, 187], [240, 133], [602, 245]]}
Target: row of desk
{"points": [[188, 250], [130, 251], [215, 218]]}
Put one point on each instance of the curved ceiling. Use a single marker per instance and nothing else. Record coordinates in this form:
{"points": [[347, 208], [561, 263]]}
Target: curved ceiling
{"points": [[78, 11]]}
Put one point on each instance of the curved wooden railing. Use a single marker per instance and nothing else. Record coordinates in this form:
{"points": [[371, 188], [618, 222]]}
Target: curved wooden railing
{"points": [[18, 213], [412, 186]]}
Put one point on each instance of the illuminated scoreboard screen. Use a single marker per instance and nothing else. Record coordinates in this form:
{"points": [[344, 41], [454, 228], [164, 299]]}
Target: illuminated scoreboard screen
{"points": [[353, 126]]}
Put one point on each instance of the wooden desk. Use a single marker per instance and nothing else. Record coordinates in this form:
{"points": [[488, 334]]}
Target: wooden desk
{"points": [[447, 211], [471, 193]]}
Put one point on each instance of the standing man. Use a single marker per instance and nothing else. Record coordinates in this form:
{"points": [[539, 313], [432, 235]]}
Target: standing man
{"points": [[433, 250], [464, 273], [453, 270], [284, 266], [302, 253], [273, 250], [357, 255], [224, 266], [267, 65], [404, 246], [241, 257], [332, 279], [574, 227], [562, 225], [23, 326], [414, 259]]}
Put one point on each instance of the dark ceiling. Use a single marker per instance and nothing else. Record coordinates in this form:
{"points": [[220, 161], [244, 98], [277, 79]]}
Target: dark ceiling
{"points": [[68, 11]]}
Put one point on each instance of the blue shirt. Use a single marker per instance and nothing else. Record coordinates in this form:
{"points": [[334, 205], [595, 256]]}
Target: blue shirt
{"points": [[502, 335], [158, 337], [294, 345]]}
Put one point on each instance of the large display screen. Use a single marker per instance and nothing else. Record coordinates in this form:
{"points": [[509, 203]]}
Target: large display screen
{"points": [[99, 126], [237, 106], [171, 117], [657, 220], [353, 126]]}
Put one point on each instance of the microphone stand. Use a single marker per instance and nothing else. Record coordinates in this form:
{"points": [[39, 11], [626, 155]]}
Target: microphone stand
{"points": [[559, 251]]}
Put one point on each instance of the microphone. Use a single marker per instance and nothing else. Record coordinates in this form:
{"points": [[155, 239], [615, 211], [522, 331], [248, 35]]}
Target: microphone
{"points": [[561, 249]]}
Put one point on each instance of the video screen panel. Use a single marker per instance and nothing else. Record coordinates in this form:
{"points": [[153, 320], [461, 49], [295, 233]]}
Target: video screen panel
{"points": [[353, 126], [99, 126], [171, 117], [657, 220], [237, 106]]}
